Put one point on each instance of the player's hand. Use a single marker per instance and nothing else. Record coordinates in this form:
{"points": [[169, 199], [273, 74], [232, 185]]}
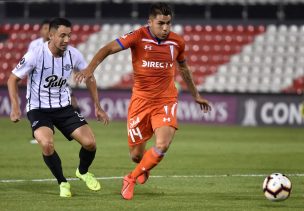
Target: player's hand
{"points": [[102, 116], [204, 104], [15, 115], [83, 75]]}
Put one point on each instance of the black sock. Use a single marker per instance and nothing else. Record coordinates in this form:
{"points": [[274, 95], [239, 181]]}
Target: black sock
{"points": [[86, 158], [54, 163]]}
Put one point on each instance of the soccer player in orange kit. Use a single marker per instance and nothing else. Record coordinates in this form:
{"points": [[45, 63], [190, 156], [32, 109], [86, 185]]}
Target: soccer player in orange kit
{"points": [[156, 54]]}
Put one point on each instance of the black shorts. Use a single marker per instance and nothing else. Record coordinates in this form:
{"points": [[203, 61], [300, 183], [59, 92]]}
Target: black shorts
{"points": [[64, 119]]}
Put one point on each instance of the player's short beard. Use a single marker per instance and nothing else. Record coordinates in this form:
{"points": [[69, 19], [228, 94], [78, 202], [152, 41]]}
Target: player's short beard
{"points": [[60, 50]]}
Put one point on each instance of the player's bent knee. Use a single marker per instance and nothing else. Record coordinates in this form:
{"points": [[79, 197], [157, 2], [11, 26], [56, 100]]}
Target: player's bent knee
{"points": [[136, 158], [47, 147], [162, 147], [89, 145]]}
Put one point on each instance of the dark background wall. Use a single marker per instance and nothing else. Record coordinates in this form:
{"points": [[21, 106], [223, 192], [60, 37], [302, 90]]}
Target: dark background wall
{"points": [[280, 12]]}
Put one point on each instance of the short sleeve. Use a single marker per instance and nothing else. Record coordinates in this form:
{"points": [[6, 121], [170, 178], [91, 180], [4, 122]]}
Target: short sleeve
{"points": [[25, 65], [80, 62], [128, 40]]}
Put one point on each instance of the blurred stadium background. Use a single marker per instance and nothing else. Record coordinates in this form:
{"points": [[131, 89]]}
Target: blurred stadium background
{"points": [[246, 56]]}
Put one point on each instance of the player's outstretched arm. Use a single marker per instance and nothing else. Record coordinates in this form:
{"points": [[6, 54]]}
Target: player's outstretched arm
{"points": [[110, 48], [12, 85], [187, 77], [100, 114]]}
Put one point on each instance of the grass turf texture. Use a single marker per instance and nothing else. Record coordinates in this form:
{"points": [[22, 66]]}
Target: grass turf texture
{"points": [[224, 168]]}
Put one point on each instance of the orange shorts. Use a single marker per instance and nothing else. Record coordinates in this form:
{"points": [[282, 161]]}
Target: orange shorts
{"points": [[144, 116]]}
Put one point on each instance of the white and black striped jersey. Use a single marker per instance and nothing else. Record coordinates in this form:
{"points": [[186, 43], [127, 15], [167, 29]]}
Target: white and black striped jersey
{"points": [[48, 75]]}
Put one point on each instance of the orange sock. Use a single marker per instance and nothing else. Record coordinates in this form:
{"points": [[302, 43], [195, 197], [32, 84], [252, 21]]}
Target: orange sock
{"points": [[143, 155], [150, 159]]}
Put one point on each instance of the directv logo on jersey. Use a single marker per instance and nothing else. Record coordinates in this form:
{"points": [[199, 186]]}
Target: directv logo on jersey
{"points": [[53, 81], [152, 64]]}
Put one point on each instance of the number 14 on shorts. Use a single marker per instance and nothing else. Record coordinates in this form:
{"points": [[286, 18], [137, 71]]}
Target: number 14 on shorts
{"points": [[135, 132]]}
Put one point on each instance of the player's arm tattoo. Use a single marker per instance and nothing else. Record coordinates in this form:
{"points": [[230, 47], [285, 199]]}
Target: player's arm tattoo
{"points": [[187, 77]]}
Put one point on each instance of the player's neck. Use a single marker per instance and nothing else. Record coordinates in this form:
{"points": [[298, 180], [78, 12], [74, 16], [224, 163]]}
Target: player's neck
{"points": [[154, 36], [55, 51]]}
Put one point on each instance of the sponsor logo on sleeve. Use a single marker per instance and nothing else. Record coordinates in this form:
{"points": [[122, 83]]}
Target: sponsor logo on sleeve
{"points": [[22, 61], [125, 35]]}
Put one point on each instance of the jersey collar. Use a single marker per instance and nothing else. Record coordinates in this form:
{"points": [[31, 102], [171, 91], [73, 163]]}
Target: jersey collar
{"points": [[50, 52], [158, 40]]}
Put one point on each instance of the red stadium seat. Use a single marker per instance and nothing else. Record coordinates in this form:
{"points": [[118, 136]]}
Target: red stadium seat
{"points": [[36, 27], [19, 37], [238, 49], [96, 27], [75, 28]]}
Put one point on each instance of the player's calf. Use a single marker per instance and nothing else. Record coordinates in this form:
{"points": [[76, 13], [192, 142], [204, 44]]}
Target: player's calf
{"points": [[142, 179]]}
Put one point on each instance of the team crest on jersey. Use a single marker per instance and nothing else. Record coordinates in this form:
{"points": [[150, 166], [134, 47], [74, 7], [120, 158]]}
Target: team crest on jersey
{"points": [[67, 67], [125, 35], [22, 61]]}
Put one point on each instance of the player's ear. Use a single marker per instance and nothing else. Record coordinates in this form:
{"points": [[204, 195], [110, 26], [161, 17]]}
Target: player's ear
{"points": [[150, 22], [51, 33]]}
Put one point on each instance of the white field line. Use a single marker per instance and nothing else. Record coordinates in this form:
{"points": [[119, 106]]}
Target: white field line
{"points": [[169, 176]]}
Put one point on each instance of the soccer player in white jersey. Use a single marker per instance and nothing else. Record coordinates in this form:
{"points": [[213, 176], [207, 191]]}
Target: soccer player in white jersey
{"points": [[44, 35], [49, 102]]}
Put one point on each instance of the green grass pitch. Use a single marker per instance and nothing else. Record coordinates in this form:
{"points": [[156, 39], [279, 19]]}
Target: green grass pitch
{"points": [[206, 168]]}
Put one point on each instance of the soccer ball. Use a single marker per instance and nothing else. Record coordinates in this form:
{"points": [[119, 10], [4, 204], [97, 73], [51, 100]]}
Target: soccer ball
{"points": [[277, 187]]}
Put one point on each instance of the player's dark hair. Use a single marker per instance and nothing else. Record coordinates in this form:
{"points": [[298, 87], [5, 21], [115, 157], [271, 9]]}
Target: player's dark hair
{"points": [[160, 8], [45, 21], [56, 22]]}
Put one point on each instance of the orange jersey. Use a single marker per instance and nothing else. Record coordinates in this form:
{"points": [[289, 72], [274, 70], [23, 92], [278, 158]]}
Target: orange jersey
{"points": [[154, 62]]}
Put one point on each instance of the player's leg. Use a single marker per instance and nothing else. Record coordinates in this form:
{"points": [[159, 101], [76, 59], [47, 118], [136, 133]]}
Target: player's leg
{"points": [[150, 159], [163, 119], [139, 131], [136, 153], [155, 154], [85, 137], [73, 126], [44, 136], [43, 132]]}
